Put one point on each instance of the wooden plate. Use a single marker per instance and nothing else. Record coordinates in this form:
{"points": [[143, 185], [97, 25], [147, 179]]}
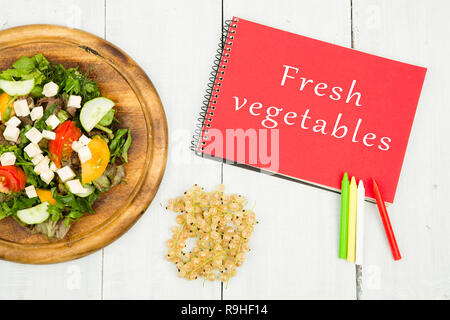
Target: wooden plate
{"points": [[138, 108]]}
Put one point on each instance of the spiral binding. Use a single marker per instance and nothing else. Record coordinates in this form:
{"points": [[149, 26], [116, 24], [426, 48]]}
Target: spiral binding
{"points": [[215, 82]]}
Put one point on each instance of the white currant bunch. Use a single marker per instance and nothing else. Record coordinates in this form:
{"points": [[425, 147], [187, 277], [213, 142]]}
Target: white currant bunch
{"points": [[222, 228]]}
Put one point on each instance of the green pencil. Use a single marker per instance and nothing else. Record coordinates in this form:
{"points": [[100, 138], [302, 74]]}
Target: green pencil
{"points": [[344, 217]]}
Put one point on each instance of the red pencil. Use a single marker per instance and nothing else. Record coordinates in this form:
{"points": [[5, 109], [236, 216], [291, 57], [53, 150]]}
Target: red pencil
{"points": [[386, 222]]}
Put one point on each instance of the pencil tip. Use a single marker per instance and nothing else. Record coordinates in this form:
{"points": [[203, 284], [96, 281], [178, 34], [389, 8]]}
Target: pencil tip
{"points": [[345, 177]]}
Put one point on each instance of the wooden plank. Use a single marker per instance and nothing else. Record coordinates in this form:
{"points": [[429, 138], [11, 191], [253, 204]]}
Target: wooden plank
{"points": [[413, 32], [88, 16], [79, 278], [175, 43], [294, 247]]}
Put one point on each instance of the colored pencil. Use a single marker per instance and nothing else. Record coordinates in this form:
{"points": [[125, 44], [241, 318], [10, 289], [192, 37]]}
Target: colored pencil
{"points": [[352, 207], [386, 222], [344, 218], [360, 224]]}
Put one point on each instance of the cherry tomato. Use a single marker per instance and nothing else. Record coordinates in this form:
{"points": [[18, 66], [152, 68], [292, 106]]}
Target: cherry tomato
{"points": [[12, 178], [61, 147]]}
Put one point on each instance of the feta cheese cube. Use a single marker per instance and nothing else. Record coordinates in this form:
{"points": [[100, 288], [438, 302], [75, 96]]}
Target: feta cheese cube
{"points": [[37, 113], [21, 108], [11, 133], [53, 166], [8, 159], [36, 159], [13, 122], [75, 186], [31, 191], [74, 101], [47, 176], [76, 146], [34, 135], [84, 140], [50, 89], [84, 154], [52, 121], [42, 166], [65, 173], [44, 161], [49, 135], [32, 150]]}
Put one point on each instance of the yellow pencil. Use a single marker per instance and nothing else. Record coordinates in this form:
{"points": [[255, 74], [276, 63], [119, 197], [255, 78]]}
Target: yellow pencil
{"points": [[352, 204]]}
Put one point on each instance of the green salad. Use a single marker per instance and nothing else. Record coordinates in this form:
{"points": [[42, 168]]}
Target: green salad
{"points": [[61, 145]]}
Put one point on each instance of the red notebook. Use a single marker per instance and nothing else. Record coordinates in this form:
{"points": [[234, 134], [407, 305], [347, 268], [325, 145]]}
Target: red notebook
{"points": [[307, 109]]}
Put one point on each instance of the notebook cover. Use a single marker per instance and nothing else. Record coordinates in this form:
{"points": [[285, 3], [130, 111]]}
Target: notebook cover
{"points": [[309, 109]]}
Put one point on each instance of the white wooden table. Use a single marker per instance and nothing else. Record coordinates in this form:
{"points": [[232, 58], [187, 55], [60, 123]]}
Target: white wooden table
{"points": [[175, 42]]}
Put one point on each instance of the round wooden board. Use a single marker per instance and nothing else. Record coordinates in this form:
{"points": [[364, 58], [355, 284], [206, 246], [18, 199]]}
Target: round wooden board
{"points": [[138, 108]]}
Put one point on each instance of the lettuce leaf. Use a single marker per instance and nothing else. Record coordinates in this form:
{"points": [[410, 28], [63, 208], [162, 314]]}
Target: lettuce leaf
{"points": [[120, 144]]}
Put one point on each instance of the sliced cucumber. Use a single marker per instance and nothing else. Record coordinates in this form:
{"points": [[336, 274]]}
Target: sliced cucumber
{"points": [[93, 111], [17, 88], [88, 191], [34, 215]]}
